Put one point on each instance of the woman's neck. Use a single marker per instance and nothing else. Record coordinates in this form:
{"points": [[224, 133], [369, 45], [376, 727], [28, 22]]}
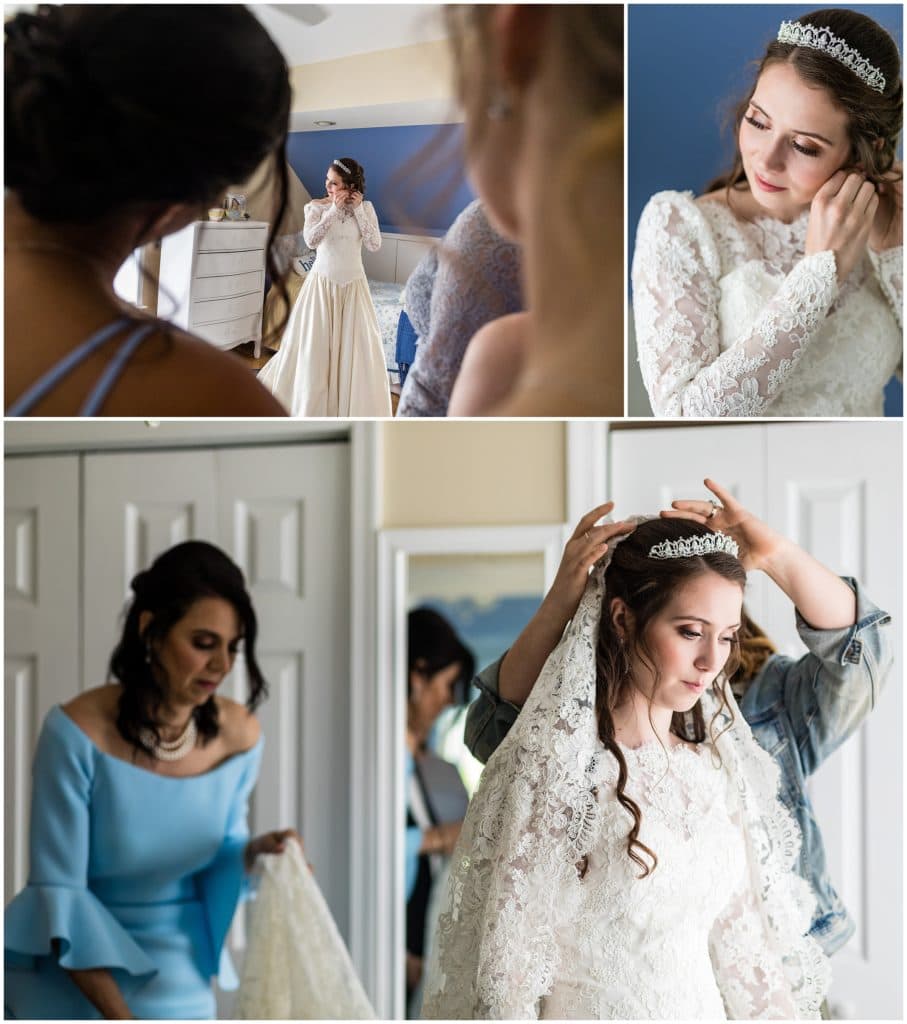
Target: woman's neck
{"points": [[172, 721], [98, 250], [637, 722]]}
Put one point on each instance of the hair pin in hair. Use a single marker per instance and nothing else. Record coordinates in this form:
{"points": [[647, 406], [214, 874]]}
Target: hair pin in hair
{"points": [[342, 166], [699, 544], [816, 38]]}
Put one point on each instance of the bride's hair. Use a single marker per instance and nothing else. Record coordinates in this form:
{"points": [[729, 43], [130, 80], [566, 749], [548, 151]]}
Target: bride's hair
{"points": [[874, 119], [354, 177], [646, 585]]}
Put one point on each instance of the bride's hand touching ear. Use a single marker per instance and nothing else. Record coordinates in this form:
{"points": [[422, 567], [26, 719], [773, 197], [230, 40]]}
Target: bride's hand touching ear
{"points": [[840, 218]]}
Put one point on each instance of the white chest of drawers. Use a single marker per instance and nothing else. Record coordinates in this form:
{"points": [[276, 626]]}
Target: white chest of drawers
{"points": [[212, 281]]}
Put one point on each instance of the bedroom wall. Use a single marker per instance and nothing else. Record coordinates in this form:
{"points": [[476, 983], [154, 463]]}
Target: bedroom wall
{"points": [[412, 204], [404, 97], [472, 474], [421, 71]]}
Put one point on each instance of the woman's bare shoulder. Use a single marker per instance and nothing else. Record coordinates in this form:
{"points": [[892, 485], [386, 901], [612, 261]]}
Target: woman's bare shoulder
{"points": [[239, 727], [176, 374], [95, 712]]}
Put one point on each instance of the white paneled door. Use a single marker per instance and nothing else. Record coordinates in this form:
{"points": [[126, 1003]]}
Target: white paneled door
{"points": [[835, 488], [41, 594], [282, 512]]}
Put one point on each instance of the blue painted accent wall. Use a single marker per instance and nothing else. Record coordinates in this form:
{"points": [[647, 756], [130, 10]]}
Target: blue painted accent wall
{"points": [[425, 199], [688, 64]]}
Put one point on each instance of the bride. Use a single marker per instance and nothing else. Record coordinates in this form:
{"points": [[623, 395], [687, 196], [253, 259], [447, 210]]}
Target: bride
{"points": [[780, 292], [331, 361], [626, 855]]}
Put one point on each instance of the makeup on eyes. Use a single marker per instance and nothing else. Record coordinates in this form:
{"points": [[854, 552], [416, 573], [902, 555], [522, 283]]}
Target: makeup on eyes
{"points": [[810, 151]]}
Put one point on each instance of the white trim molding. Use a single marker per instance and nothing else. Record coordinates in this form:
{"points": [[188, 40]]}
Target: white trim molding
{"points": [[385, 785]]}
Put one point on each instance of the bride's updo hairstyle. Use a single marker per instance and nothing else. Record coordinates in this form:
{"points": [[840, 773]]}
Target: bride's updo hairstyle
{"points": [[646, 585], [354, 177], [112, 106], [177, 579], [874, 118]]}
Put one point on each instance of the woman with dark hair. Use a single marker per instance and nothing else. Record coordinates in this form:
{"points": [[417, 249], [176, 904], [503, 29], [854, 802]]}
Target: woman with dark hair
{"points": [[440, 669], [331, 360], [139, 838], [626, 854], [104, 153], [780, 291]]}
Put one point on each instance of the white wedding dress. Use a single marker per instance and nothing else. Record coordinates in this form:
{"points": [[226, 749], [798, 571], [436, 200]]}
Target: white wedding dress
{"points": [[656, 947], [331, 361], [733, 319], [545, 915]]}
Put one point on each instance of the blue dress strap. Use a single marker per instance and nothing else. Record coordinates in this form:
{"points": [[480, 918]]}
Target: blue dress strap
{"points": [[113, 370], [49, 380]]}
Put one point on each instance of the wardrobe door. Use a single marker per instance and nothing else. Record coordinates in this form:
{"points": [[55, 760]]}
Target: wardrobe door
{"points": [[42, 621], [284, 517], [136, 506], [836, 490]]}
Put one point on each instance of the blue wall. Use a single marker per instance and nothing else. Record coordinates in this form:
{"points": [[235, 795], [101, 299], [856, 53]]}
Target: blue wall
{"points": [[425, 198], [688, 65]]}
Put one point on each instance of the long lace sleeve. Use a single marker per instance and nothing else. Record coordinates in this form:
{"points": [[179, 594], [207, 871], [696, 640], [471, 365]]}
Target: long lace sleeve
{"points": [[367, 220], [888, 266], [677, 300], [318, 221]]}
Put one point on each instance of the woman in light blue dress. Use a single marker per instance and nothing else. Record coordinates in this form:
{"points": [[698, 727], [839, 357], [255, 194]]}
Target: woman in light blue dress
{"points": [[139, 842]]}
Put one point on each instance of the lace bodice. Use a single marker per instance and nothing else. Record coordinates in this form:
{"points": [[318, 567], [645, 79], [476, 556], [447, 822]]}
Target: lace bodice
{"points": [[635, 950], [732, 319], [337, 236]]}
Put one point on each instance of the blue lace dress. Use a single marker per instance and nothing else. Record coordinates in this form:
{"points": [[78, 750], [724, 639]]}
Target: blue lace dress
{"points": [[130, 871], [474, 279]]}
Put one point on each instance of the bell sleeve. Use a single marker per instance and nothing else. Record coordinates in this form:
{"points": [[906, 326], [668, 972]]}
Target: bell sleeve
{"points": [[224, 882], [676, 297], [56, 905]]}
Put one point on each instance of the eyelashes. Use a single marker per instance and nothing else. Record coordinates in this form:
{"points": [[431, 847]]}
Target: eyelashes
{"points": [[691, 634], [805, 150]]}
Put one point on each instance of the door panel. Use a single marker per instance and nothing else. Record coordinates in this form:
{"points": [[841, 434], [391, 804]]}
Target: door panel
{"points": [[41, 602]]}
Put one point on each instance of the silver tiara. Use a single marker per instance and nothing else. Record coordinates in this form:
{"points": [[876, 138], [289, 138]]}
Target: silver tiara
{"points": [[342, 166], [824, 39], [699, 544]]}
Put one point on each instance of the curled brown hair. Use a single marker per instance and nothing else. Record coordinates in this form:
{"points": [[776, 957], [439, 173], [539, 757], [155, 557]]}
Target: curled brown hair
{"points": [[874, 119], [646, 585]]}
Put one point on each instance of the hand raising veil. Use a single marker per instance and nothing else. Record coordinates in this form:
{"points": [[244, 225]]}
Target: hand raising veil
{"points": [[598, 879]]}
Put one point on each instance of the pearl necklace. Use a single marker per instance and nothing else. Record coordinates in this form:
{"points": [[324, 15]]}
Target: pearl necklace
{"points": [[174, 750]]}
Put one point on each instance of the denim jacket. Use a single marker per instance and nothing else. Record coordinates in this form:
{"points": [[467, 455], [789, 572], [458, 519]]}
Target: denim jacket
{"points": [[800, 710]]}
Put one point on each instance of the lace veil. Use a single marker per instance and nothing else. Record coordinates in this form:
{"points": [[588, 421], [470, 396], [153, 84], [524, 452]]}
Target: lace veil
{"points": [[514, 881]]}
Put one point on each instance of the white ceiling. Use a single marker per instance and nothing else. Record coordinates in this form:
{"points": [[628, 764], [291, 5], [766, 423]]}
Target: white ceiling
{"points": [[349, 29]]}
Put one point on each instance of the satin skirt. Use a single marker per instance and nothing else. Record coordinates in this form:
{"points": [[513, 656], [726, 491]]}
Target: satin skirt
{"points": [[331, 362]]}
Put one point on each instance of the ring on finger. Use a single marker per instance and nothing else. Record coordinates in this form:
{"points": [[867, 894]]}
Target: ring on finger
{"points": [[716, 508]]}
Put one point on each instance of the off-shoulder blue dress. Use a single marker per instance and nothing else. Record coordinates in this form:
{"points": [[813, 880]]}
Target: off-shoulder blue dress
{"points": [[135, 872]]}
